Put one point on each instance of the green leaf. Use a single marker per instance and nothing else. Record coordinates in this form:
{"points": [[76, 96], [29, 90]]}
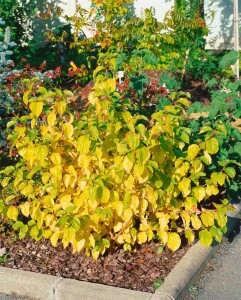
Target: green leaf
{"points": [[160, 250], [230, 172], [205, 237], [216, 233], [157, 284]]}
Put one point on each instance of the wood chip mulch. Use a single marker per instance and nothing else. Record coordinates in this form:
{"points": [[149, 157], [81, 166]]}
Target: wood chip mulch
{"points": [[136, 271]]}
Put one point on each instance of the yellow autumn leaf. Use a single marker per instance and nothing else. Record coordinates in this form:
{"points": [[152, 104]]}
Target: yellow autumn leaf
{"points": [[54, 239], [95, 254], [51, 119], [83, 145], [185, 186], [68, 130], [65, 201], [36, 108], [189, 236], [163, 235], [61, 107], [207, 218], [25, 207], [141, 237], [127, 164], [12, 213], [212, 146], [193, 151], [56, 171], [56, 158], [199, 193], [205, 237], [174, 241], [196, 222], [41, 152]]}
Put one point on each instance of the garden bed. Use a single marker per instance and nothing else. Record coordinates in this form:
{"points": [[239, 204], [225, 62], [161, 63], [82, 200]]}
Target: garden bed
{"points": [[141, 270]]}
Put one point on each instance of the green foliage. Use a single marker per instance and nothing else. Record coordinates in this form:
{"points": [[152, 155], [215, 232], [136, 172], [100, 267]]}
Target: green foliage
{"points": [[109, 177], [220, 118]]}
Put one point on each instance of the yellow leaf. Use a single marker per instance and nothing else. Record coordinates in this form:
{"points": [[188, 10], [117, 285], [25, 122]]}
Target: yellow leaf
{"points": [[25, 207], [207, 218], [54, 239], [199, 193], [135, 203], [205, 237], [48, 201], [65, 201], [174, 241], [212, 190], [141, 237], [127, 164], [163, 235], [61, 107], [56, 171], [193, 151], [189, 236], [129, 183], [118, 227], [196, 222], [47, 234], [95, 254], [128, 213], [67, 178], [41, 152], [186, 219], [12, 213], [212, 146], [133, 140], [105, 195], [36, 108], [163, 220], [118, 207], [45, 177], [92, 98], [143, 154], [51, 118], [56, 158], [83, 145], [79, 245], [25, 97], [68, 130], [185, 186]]}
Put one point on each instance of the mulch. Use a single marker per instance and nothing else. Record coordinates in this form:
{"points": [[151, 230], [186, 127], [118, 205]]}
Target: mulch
{"points": [[137, 270]]}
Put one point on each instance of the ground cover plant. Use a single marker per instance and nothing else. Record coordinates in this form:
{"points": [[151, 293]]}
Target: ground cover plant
{"points": [[141, 163]]}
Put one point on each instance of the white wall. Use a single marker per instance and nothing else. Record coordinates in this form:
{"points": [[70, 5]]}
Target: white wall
{"points": [[221, 35]]}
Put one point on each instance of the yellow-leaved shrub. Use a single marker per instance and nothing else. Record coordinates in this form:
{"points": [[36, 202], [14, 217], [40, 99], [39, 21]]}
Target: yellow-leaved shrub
{"points": [[109, 177]]}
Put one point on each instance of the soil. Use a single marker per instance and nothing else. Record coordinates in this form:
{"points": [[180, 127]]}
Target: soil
{"points": [[137, 271]]}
